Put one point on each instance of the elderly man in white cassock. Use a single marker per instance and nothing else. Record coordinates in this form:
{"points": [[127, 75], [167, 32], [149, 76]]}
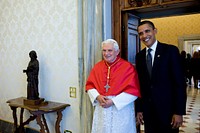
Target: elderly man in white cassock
{"points": [[113, 87]]}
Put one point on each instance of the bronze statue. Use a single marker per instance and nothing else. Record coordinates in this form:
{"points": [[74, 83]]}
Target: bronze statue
{"points": [[32, 72]]}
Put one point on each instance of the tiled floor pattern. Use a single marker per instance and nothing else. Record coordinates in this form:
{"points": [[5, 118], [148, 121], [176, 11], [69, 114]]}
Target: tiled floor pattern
{"points": [[192, 118]]}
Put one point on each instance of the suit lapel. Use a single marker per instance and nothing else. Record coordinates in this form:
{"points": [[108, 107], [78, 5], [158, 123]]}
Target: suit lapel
{"points": [[144, 65], [157, 57], [144, 57]]}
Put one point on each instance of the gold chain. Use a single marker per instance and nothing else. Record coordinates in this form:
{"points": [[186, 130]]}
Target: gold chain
{"points": [[108, 75]]}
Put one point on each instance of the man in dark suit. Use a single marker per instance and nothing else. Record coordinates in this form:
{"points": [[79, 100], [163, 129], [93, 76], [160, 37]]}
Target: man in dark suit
{"points": [[163, 89]]}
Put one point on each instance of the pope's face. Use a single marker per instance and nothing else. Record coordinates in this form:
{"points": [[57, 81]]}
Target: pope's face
{"points": [[109, 53], [147, 34]]}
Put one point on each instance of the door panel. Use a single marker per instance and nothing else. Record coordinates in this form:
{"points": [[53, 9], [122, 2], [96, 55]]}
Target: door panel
{"points": [[133, 46], [130, 40]]}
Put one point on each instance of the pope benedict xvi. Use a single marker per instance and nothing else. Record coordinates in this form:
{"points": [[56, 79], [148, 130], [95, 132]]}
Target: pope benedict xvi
{"points": [[113, 87]]}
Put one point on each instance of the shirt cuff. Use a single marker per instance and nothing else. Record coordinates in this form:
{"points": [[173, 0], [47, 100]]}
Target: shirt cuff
{"points": [[123, 99], [93, 93]]}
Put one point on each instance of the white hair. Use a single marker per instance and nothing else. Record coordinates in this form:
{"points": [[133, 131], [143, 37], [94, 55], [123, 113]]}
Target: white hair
{"points": [[111, 41]]}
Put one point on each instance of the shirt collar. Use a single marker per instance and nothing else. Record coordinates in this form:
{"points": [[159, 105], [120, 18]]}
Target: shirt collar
{"points": [[153, 47]]}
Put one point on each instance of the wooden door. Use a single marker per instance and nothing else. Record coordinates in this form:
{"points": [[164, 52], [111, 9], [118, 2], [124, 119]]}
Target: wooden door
{"points": [[130, 40]]}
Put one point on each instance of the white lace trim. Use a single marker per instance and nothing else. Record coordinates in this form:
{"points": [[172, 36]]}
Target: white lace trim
{"points": [[111, 120]]}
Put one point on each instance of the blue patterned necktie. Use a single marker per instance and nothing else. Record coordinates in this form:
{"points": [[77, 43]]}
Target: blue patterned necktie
{"points": [[149, 61]]}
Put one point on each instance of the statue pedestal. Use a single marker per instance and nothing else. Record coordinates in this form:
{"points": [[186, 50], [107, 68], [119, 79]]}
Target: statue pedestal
{"points": [[33, 102]]}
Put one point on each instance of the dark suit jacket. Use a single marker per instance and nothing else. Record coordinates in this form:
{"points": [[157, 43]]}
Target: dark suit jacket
{"points": [[164, 92]]}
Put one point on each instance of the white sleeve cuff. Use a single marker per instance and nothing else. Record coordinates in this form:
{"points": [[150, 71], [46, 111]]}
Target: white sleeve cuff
{"points": [[93, 93], [123, 99]]}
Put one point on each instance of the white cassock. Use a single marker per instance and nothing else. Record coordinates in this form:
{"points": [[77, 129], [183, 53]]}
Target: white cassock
{"points": [[119, 118]]}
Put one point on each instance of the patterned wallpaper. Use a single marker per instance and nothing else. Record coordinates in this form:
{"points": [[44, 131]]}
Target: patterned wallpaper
{"points": [[170, 28], [50, 28]]}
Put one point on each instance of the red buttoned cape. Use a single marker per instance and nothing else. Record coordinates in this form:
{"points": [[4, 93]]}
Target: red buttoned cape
{"points": [[123, 78]]}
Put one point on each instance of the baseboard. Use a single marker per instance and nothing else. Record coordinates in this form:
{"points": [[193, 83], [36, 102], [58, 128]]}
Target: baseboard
{"points": [[8, 127]]}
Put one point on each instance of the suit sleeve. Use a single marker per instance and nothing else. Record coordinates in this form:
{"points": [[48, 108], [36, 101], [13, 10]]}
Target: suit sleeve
{"points": [[179, 82]]}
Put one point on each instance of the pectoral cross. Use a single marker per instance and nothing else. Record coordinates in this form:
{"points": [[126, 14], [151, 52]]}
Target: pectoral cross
{"points": [[108, 76], [107, 87]]}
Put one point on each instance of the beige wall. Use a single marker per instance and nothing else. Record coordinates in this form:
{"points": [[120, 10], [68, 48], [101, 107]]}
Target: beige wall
{"points": [[170, 28]]}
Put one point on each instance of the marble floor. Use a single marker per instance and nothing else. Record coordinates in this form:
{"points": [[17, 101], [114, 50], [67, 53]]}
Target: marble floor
{"points": [[192, 118]]}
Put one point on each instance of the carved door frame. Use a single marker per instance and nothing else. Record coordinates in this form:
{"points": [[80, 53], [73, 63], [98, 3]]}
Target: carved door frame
{"points": [[162, 9]]}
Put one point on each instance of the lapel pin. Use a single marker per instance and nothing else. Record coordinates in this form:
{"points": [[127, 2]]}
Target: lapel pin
{"points": [[158, 56]]}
